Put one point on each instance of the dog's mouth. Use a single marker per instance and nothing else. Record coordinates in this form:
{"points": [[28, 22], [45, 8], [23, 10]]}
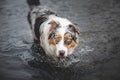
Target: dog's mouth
{"points": [[61, 57]]}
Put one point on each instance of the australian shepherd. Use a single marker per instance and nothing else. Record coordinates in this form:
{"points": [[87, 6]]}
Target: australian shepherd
{"points": [[56, 35]]}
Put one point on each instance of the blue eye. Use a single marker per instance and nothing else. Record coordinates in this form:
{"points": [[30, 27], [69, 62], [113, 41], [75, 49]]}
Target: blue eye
{"points": [[57, 40], [68, 41]]}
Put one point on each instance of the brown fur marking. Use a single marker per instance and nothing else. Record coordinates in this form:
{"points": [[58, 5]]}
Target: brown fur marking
{"points": [[67, 36], [52, 41], [53, 25], [71, 45], [59, 36]]}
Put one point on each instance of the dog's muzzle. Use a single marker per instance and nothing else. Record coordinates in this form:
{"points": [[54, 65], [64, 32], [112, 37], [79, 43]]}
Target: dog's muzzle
{"points": [[62, 54]]}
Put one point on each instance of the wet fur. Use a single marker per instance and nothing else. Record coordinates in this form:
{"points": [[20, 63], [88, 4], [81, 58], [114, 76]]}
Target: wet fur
{"points": [[53, 33]]}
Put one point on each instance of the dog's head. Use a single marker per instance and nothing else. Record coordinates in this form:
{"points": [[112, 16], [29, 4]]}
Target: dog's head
{"points": [[62, 39]]}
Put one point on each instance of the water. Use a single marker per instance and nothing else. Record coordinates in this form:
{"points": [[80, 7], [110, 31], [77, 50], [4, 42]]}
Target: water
{"points": [[96, 57]]}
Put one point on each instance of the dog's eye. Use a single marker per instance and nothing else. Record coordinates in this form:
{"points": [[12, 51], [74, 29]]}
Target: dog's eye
{"points": [[68, 41], [57, 40]]}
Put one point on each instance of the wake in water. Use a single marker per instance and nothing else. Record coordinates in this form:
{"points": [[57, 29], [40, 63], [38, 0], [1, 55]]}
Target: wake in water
{"points": [[37, 56]]}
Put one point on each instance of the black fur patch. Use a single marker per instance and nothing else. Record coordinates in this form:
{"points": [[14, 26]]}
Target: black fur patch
{"points": [[33, 2], [73, 28], [51, 35], [38, 22], [29, 21], [74, 38]]}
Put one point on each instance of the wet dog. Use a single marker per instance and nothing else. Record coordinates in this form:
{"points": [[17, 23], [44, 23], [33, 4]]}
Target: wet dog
{"points": [[56, 35]]}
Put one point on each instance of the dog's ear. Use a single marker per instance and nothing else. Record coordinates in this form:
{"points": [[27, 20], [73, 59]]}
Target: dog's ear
{"points": [[74, 28], [54, 25]]}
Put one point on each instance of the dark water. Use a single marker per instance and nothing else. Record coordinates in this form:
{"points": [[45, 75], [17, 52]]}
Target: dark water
{"points": [[96, 58]]}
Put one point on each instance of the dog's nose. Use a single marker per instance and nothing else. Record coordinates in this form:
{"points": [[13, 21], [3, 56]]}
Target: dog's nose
{"points": [[61, 52]]}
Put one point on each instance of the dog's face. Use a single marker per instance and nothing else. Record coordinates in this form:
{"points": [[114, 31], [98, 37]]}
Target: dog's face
{"points": [[62, 40]]}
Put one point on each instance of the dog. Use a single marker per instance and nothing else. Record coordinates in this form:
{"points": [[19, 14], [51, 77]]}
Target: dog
{"points": [[56, 35]]}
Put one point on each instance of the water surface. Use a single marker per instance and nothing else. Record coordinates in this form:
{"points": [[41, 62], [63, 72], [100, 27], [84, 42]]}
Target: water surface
{"points": [[96, 58]]}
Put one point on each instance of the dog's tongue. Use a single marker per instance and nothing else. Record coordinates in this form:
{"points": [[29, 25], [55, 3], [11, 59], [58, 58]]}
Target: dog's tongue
{"points": [[62, 57]]}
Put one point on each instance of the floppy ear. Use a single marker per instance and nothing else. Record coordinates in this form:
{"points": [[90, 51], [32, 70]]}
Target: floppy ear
{"points": [[53, 24], [74, 28]]}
